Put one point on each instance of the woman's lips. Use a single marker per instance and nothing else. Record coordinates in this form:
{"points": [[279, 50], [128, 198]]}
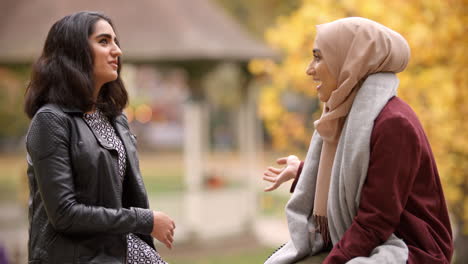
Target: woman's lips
{"points": [[319, 84], [114, 65]]}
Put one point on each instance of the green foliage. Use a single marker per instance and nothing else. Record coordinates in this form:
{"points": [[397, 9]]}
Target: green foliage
{"points": [[257, 15], [14, 122]]}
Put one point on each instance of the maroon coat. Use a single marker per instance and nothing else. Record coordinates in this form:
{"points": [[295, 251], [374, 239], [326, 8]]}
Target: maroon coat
{"points": [[402, 194]]}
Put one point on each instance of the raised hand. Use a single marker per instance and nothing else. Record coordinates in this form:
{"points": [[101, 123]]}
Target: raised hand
{"points": [[280, 175]]}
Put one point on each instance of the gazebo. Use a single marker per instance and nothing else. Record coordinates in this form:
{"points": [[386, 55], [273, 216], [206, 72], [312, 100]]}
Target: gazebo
{"points": [[195, 35]]}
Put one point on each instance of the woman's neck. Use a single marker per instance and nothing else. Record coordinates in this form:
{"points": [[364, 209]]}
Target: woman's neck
{"points": [[97, 89]]}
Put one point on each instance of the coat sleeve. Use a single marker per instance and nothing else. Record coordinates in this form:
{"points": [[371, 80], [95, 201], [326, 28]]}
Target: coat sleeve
{"points": [[394, 159], [296, 179], [48, 147]]}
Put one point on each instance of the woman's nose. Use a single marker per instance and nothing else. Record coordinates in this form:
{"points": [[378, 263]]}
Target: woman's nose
{"points": [[310, 69], [116, 51]]}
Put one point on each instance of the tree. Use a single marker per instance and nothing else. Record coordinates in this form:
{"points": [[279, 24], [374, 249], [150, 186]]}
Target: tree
{"points": [[434, 84], [257, 15], [12, 88]]}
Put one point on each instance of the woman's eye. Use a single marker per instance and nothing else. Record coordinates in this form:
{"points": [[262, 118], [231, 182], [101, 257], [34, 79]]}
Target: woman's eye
{"points": [[103, 41], [316, 57]]}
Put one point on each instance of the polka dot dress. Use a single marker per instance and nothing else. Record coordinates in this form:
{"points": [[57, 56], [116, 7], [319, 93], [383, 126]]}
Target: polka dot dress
{"points": [[100, 124], [138, 251]]}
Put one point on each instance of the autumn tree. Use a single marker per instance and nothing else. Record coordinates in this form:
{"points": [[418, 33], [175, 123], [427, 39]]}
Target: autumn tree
{"points": [[435, 83]]}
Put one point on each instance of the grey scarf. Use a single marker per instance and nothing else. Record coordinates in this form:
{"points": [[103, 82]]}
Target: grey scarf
{"points": [[348, 174]]}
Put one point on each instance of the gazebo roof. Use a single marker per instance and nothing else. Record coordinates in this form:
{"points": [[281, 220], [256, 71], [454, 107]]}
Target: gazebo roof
{"points": [[149, 30]]}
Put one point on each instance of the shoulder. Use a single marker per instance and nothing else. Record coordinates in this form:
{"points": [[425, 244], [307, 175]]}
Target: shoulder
{"points": [[55, 111], [397, 113], [397, 123], [48, 118], [122, 120], [49, 128], [49, 110]]}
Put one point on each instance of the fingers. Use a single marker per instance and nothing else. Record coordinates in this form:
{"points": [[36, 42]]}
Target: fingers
{"points": [[273, 174], [170, 238], [271, 188], [275, 170], [168, 244], [269, 178], [282, 161], [163, 228], [170, 234], [270, 174]]}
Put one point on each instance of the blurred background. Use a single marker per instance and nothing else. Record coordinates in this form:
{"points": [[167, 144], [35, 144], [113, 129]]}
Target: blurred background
{"points": [[218, 91]]}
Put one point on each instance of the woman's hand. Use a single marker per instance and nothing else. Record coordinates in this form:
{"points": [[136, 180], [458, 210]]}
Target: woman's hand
{"points": [[163, 228], [279, 176]]}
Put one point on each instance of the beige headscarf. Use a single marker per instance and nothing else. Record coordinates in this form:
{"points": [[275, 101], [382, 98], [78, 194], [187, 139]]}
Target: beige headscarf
{"points": [[352, 48]]}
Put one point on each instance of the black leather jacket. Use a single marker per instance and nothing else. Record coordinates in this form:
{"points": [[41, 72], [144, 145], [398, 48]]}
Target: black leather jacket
{"points": [[79, 209]]}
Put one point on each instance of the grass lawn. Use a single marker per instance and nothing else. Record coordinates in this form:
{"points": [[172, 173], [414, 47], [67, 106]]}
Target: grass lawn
{"points": [[162, 173], [13, 180], [251, 256], [272, 204]]}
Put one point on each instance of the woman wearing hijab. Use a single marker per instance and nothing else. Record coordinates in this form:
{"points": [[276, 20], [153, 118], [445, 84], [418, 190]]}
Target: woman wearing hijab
{"points": [[369, 189]]}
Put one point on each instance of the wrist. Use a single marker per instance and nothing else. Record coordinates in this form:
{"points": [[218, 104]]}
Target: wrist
{"points": [[295, 164], [144, 220]]}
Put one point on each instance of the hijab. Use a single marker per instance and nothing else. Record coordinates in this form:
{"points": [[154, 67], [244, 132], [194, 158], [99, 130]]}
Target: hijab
{"points": [[352, 48]]}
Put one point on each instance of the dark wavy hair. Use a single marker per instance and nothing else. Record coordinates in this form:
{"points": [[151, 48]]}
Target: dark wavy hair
{"points": [[63, 74]]}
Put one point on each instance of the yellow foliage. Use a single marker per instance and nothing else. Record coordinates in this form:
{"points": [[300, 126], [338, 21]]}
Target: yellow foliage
{"points": [[435, 83]]}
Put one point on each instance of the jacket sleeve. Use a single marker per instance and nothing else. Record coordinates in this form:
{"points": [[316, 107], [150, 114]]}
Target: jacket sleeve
{"points": [[47, 144], [394, 159], [296, 179]]}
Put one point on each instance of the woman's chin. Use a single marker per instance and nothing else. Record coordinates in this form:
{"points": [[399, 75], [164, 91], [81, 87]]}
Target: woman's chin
{"points": [[113, 78], [323, 100]]}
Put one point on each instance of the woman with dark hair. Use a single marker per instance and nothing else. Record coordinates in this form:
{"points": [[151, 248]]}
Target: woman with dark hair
{"points": [[88, 203], [368, 189]]}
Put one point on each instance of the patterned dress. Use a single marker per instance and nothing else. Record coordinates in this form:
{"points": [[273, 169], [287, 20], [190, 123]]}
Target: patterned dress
{"points": [[138, 251]]}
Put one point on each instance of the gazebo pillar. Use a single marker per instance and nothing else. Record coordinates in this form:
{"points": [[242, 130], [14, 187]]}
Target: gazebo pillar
{"points": [[196, 135], [193, 146], [195, 149], [250, 147]]}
